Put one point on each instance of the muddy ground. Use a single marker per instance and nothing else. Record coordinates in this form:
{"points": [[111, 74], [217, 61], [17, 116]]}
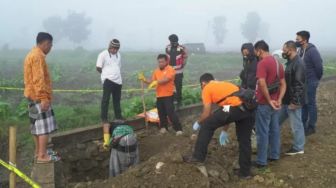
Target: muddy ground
{"points": [[316, 168]]}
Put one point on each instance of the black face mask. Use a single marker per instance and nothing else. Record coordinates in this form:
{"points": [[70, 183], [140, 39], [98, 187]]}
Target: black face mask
{"points": [[298, 44], [285, 56]]}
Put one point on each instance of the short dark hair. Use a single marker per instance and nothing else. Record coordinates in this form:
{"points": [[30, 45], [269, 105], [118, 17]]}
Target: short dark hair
{"points": [[261, 45], [43, 36], [304, 34], [173, 38], [206, 77], [291, 44], [162, 56]]}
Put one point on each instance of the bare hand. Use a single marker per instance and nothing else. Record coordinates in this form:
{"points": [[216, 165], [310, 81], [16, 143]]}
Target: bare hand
{"points": [[45, 106], [275, 105]]}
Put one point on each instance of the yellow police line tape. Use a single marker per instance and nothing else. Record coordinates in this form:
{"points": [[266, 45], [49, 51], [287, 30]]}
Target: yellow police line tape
{"points": [[94, 90], [20, 174]]}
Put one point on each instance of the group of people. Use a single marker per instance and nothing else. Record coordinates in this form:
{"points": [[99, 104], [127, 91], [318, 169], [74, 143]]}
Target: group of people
{"points": [[280, 94]]}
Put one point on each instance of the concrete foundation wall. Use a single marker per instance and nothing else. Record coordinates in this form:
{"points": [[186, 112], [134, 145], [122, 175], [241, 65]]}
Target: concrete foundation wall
{"points": [[83, 158]]}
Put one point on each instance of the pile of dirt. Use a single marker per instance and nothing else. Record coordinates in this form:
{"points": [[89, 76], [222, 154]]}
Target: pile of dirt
{"points": [[316, 168]]}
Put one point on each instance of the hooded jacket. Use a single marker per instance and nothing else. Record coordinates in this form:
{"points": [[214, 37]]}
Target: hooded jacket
{"points": [[313, 63], [248, 74], [295, 82]]}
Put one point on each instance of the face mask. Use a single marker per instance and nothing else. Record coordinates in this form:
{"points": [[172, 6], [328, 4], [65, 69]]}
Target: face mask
{"points": [[245, 58], [298, 44], [285, 56]]}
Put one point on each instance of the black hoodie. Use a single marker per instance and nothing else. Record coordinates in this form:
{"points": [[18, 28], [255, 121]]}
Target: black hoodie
{"points": [[248, 74]]}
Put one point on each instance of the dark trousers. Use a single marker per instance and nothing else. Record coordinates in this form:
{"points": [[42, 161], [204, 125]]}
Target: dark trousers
{"points": [[244, 124], [178, 86], [111, 88], [309, 110], [165, 106]]}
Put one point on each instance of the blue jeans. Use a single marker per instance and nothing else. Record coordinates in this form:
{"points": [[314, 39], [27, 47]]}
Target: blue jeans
{"points": [[296, 124], [309, 110], [268, 134]]}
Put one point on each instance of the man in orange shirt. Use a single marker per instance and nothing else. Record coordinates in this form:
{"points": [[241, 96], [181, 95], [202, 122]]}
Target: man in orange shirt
{"points": [[163, 80], [39, 94], [232, 110]]}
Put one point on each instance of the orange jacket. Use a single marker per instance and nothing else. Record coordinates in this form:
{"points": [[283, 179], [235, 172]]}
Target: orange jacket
{"points": [[37, 80]]}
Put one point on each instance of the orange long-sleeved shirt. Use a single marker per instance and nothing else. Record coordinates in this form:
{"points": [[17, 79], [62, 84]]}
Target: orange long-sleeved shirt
{"points": [[36, 76]]}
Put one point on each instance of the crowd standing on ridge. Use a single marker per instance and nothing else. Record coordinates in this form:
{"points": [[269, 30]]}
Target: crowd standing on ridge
{"points": [[269, 94]]}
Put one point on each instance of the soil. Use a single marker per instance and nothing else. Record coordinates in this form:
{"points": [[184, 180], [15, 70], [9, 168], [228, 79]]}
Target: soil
{"points": [[316, 168]]}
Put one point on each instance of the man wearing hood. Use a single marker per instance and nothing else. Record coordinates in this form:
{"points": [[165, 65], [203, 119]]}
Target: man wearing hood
{"points": [[314, 71], [250, 62]]}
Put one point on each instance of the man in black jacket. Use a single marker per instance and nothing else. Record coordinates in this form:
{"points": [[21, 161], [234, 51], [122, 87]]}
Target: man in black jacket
{"points": [[250, 63], [294, 97]]}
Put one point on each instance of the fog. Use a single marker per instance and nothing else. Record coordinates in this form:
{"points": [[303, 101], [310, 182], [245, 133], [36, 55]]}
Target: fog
{"points": [[143, 25]]}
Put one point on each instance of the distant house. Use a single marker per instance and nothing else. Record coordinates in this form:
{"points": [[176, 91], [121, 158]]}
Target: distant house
{"points": [[197, 48]]}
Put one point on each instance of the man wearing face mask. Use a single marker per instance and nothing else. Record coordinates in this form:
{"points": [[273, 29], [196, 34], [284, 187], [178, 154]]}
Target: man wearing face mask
{"points": [[294, 97], [270, 90], [177, 55], [248, 74], [314, 71]]}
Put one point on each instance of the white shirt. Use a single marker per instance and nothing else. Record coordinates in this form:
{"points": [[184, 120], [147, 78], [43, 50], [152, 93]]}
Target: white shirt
{"points": [[110, 65]]}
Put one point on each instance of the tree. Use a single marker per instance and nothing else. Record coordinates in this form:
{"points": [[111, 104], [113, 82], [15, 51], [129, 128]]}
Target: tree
{"points": [[54, 25], [250, 29], [76, 27], [219, 29]]}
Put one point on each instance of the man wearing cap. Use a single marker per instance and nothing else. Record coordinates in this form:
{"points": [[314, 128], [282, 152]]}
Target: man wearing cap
{"points": [[108, 65], [177, 55]]}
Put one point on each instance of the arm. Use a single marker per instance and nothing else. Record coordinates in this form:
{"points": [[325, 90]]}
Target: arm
{"points": [[99, 63], [317, 61], [206, 112], [298, 84], [39, 79], [185, 56], [264, 90], [282, 85]]}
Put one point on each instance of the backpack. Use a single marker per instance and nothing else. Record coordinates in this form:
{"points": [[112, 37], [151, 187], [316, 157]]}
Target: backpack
{"points": [[247, 96]]}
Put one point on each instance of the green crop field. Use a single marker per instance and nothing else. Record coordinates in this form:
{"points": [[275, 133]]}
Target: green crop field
{"points": [[75, 70]]}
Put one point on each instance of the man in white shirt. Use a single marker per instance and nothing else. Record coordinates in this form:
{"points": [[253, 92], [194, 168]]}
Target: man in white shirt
{"points": [[108, 65]]}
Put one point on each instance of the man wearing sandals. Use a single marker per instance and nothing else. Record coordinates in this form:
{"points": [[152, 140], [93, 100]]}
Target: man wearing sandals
{"points": [[38, 92]]}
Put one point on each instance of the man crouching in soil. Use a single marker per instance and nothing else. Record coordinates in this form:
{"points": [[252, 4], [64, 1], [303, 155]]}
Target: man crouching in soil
{"points": [[232, 110]]}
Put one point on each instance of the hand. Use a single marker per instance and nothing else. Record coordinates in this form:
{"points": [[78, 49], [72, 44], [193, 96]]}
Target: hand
{"points": [[292, 106], [45, 105], [223, 138], [153, 84], [275, 105], [196, 126], [141, 77]]}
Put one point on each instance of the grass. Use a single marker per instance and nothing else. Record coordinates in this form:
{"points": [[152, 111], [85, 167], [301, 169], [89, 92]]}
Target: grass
{"points": [[75, 69]]}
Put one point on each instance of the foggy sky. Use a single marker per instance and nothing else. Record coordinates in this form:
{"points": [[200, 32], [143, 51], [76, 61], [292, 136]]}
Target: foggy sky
{"points": [[145, 24]]}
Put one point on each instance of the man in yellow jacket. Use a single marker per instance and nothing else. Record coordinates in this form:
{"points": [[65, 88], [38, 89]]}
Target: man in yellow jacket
{"points": [[38, 92]]}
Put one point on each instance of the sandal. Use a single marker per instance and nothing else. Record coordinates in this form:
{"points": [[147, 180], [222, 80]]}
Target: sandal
{"points": [[52, 159], [52, 152]]}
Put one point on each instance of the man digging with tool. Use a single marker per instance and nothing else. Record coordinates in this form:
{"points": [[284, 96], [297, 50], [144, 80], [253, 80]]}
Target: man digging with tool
{"points": [[163, 80]]}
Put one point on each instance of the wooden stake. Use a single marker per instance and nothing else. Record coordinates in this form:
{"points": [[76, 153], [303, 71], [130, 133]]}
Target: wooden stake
{"points": [[144, 103], [12, 155]]}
